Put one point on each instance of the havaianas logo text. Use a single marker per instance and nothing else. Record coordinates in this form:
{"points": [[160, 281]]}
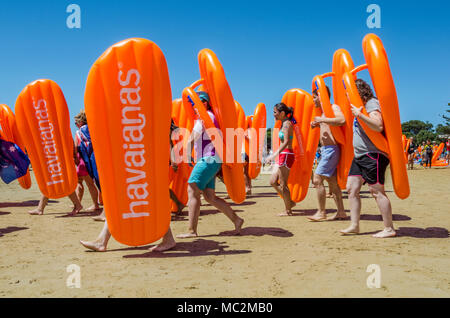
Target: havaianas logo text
{"points": [[133, 122], [46, 129]]}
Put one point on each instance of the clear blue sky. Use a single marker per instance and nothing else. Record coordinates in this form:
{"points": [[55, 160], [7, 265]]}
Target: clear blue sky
{"points": [[266, 47]]}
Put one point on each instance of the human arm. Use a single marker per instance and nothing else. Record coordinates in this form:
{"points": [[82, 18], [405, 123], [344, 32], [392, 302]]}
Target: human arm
{"points": [[286, 128], [338, 120], [374, 120]]}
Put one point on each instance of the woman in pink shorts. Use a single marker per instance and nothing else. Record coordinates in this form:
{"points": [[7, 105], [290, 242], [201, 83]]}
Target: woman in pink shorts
{"points": [[285, 155], [83, 175]]}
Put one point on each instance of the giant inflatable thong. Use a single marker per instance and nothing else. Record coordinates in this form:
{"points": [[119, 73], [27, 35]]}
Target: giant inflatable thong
{"points": [[228, 145], [128, 106], [390, 142], [304, 143], [43, 120]]}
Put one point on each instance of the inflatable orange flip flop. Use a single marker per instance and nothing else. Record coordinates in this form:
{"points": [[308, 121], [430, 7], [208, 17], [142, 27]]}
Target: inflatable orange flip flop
{"points": [[184, 118], [342, 63], [304, 143], [43, 119], [228, 145], [380, 73], [254, 144], [434, 160], [11, 133], [337, 131], [128, 106]]}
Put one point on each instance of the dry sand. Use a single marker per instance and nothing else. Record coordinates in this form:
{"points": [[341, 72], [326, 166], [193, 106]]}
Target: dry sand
{"points": [[274, 256]]}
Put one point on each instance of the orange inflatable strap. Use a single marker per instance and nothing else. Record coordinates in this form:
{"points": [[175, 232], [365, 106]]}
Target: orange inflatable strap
{"points": [[224, 109], [377, 138], [319, 84], [405, 142], [305, 141], [383, 83], [184, 118], [128, 106], [11, 133], [43, 120], [255, 143], [342, 63]]}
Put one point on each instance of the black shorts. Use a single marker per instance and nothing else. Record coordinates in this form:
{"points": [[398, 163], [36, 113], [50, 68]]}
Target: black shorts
{"points": [[371, 167]]}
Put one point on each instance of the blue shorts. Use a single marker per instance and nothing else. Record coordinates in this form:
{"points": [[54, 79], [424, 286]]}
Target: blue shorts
{"points": [[328, 161], [204, 173]]}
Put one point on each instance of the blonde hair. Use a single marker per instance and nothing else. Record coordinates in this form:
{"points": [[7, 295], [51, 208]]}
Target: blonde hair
{"points": [[81, 118]]}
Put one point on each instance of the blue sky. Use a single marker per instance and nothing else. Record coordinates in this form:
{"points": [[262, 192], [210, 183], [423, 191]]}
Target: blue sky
{"points": [[265, 47]]}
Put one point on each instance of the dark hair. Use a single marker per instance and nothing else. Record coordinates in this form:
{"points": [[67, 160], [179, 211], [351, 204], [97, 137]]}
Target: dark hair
{"points": [[289, 111], [328, 90], [364, 90]]}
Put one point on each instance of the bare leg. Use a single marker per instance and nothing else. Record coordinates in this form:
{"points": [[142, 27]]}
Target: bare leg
{"points": [[80, 189], [224, 207], [194, 211], [94, 194], [354, 184], [248, 181], [100, 244], [167, 243], [320, 215], [337, 196], [173, 197], [284, 190], [40, 209], [384, 205], [77, 207]]}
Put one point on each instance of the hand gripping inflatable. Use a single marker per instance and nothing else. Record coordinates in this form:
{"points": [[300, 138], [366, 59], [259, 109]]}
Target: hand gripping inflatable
{"points": [[255, 143], [128, 106], [380, 73], [305, 150], [342, 63], [43, 119], [184, 118], [11, 134], [222, 102]]}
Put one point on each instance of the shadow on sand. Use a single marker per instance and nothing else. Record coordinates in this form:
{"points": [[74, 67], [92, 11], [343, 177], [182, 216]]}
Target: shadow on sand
{"points": [[23, 204], [199, 247], [11, 229]]}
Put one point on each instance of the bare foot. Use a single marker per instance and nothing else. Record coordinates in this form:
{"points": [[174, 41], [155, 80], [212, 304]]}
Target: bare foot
{"points": [[95, 246], [36, 212], [388, 232], [352, 229], [338, 216], [93, 209], [187, 235], [100, 218], [163, 246], [75, 210], [293, 204], [248, 191], [317, 217], [286, 213], [238, 226]]}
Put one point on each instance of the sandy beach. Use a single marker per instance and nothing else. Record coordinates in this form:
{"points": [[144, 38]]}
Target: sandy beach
{"points": [[273, 257]]}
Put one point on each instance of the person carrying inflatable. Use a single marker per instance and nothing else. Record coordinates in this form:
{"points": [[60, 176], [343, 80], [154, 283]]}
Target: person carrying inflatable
{"points": [[369, 164], [411, 153], [330, 156], [285, 154], [203, 176], [82, 171]]}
